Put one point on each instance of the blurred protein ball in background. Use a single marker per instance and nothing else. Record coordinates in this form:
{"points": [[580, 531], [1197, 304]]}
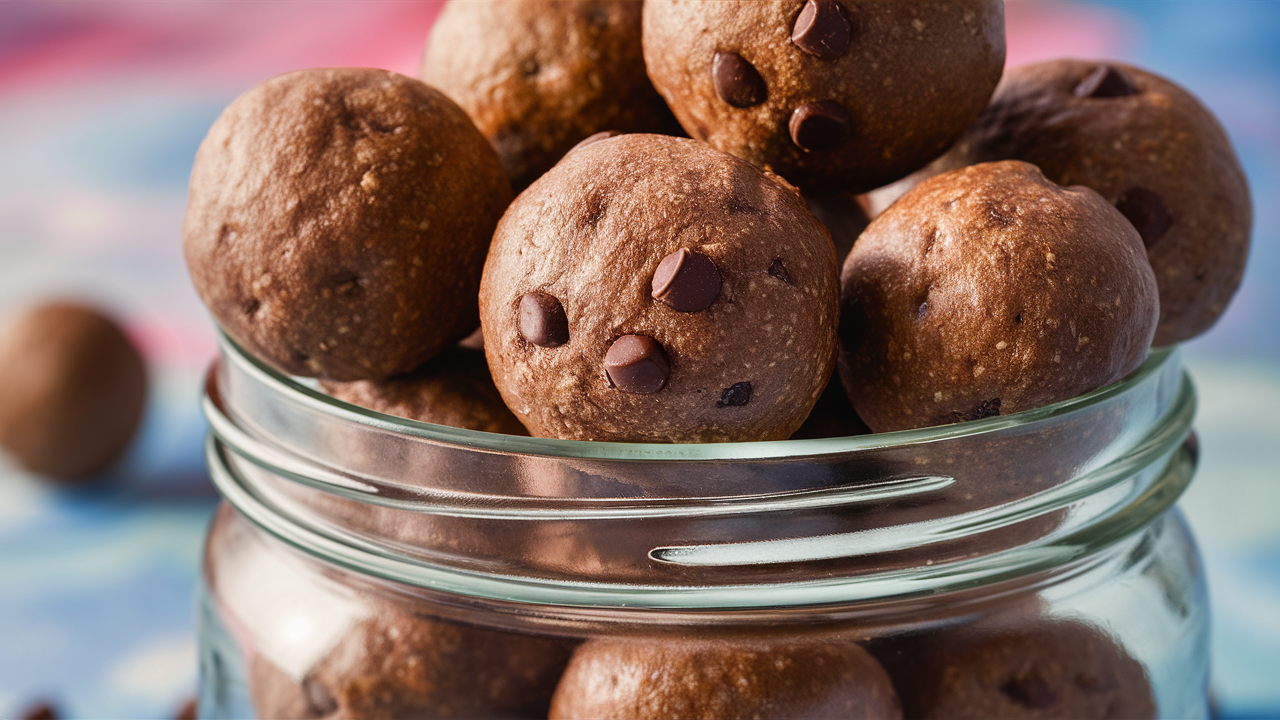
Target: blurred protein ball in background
{"points": [[72, 390]]}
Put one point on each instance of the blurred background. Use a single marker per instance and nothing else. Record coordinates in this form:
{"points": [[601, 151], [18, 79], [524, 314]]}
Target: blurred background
{"points": [[102, 106]]}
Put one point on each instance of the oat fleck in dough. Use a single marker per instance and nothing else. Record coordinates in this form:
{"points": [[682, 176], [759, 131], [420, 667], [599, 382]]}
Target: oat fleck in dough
{"points": [[652, 679], [402, 665], [1147, 146], [337, 222], [698, 294], [834, 95], [537, 76], [453, 389], [987, 291]]}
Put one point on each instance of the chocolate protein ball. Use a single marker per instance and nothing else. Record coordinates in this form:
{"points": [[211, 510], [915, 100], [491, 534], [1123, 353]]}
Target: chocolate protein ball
{"points": [[72, 390], [836, 95], [401, 665], [1032, 668], [645, 679], [537, 76], [453, 389], [337, 222], [1147, 146], [987, 291], [651, 288]]}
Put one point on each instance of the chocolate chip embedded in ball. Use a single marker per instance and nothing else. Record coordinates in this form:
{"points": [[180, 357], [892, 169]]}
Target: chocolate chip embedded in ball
{"points": [[737, 81], [1147, 212], [72, 391], [736, 395], [1106, 81], [686, 280], [822, 29], [543, 321], [819, 126], [637, 364]]}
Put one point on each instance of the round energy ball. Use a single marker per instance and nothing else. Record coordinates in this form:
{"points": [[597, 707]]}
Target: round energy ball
{"points": [[72, 390], [987, 291], [337, 222], [454, 388], [653, 289], [1147, 146], [537, 76], [833, 95], [723, 678]]}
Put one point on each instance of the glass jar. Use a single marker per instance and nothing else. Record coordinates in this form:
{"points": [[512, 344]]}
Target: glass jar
{"points": [[1026, 565]]}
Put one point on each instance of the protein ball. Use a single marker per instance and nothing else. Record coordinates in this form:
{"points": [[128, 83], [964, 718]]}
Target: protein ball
{"points": [[1147, 146], [398, 664], [72, 391], [833, 95], [1033, 667], [538, 76], [653, 289], [987, 291], [337, 222], [729, 677], [453, 389]]}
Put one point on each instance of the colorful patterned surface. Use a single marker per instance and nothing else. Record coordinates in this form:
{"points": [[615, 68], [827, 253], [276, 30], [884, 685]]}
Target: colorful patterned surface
{"points": [[101, 108]]}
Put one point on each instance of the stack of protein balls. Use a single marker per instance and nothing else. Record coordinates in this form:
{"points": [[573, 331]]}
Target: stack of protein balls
{"points": [[354, 225]]}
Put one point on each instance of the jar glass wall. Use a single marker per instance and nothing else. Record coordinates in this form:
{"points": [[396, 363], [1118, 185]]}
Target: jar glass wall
{"points": [[366, 565]]}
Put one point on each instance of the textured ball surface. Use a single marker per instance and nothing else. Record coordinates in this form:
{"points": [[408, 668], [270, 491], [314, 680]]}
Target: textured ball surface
{"points": [[72, 390], [337, 222], [834, 95], [987, 291], [538, 76], [695, 296]]}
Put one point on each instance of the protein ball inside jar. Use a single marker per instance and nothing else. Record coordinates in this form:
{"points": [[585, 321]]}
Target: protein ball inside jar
{"points": [[1033, 667], [454, 388], [651, 288], [538, 76], [1147, 146], [987, 291], [834, 95], [401, 665], [72, 390], [338, 219], [653, 679]]}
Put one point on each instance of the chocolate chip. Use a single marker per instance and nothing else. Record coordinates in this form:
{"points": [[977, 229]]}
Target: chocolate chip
{"points": [[778, 270], [821, 125], [985, 409], [1147, 212], [822, 29], [736, 395], [602, 135], [319, 699], [686, 280], [737, 82], [542, 320], [1030, 691], [637, 364], [1106, 82]]}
